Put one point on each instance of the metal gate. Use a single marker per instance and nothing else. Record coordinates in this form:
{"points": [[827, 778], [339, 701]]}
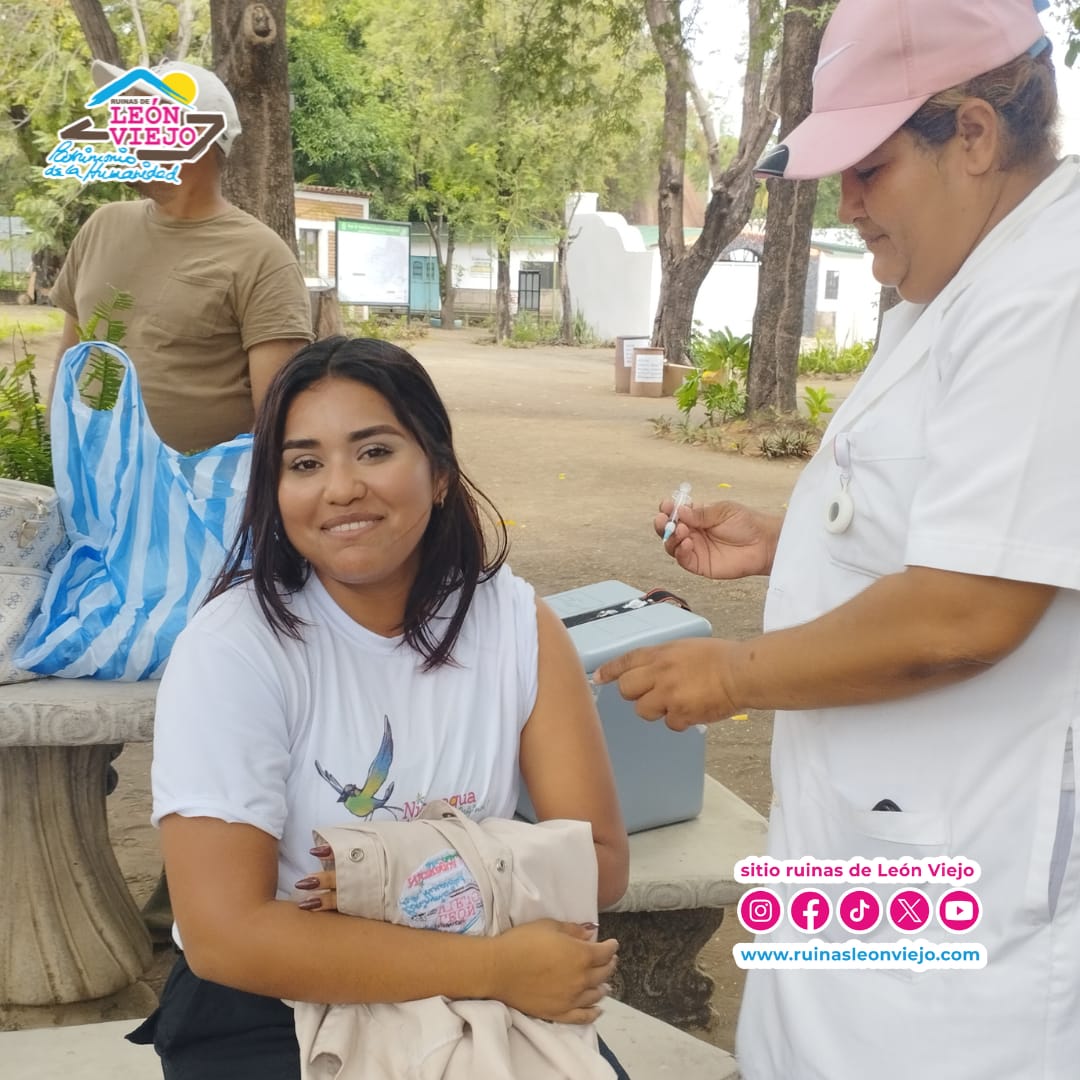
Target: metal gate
{"points": [[529, 290]]}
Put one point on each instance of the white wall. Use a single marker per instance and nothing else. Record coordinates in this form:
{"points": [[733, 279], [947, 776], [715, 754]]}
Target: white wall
{"points": [[614, 280], [615, 283], [856, 303], [476, 263], [727, 297]]}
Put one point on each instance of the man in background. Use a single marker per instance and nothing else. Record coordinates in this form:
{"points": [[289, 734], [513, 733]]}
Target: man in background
{"points": [[219, 300]]}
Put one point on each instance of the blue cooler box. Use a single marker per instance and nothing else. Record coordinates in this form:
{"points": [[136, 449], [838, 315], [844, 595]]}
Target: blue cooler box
{"points": [[659, 773]]}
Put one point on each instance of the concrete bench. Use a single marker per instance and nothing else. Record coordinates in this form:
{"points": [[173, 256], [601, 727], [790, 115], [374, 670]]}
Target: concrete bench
{"points": [[69, 929], [75, 946], [648, 1049], [681, 879]]}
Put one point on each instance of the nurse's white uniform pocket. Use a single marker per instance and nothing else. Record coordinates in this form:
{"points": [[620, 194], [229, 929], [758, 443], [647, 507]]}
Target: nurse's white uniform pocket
{"points": [[884, 472], [833, 828]]}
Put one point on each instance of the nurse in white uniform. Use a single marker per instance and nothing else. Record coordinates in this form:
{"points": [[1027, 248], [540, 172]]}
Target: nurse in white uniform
{"points": [[922, 640]]}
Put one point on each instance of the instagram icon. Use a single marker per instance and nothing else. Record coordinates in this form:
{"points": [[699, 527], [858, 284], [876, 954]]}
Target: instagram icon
{"points": [[760, 910]]}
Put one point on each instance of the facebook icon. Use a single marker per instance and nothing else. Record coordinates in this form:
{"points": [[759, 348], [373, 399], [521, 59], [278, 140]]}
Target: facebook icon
{"points": [[810, 910]]}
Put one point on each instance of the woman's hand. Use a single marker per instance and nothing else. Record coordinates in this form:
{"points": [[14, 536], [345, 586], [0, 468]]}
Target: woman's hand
{"points": [[549, 969], [319, 891], [553, 970], [722, 540]]}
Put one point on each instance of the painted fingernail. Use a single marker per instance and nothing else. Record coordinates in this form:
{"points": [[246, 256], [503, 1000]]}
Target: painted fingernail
{"points": [[307, 883], [323, 851], [312, 903], [590, 926]]}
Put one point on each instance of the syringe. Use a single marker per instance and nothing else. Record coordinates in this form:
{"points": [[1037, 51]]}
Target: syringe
{"points": [[681, 498]]}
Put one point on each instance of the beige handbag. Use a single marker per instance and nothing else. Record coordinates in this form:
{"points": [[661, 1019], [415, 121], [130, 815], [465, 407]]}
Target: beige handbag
{"points": [[32, 538]]}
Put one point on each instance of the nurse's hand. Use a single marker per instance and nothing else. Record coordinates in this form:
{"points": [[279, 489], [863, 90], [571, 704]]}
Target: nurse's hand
{"points": [[682, 683], [723, 540]]}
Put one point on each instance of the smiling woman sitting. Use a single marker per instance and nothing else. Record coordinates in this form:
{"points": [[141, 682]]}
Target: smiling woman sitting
{"points": [[364, 652]]}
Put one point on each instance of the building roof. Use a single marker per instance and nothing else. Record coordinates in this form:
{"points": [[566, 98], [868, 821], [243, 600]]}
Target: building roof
{"points": [[651, 234], [838, 249], [352, 193]]}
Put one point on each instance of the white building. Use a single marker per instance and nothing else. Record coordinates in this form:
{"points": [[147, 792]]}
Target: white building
{"points": [[614, 271]]}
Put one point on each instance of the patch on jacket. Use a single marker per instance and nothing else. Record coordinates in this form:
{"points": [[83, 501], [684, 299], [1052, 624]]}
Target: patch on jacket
{"points": [[442, 894]]}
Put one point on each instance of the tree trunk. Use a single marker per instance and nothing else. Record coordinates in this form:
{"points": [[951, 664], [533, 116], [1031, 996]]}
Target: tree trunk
{"points": [[778, 317], [97, 31], [566, 305], [250, 58], [325, 313], [732, 194], [888, 298], [446, 281], [502, 294], [667, 326]]}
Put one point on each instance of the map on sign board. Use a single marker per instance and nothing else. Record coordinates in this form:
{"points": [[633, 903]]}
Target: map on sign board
{"points": [[373, 262]]}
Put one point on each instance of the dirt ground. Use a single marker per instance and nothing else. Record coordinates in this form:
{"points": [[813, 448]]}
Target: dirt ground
{"points": [[577, 473]]}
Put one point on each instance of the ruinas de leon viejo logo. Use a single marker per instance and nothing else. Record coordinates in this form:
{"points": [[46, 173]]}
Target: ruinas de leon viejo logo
{"points": [[153, 127]]}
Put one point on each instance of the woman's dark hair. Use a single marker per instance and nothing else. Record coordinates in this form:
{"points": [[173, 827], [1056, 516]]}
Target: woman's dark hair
{"points": [[455, 555], [1022, 92]]}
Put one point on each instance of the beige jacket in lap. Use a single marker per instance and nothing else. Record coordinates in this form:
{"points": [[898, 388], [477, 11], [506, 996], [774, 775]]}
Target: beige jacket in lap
{"points": [[443, 871]]}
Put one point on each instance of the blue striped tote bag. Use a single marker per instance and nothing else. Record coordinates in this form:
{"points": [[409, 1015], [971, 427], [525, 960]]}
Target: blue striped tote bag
{"points": [[148, 527]]}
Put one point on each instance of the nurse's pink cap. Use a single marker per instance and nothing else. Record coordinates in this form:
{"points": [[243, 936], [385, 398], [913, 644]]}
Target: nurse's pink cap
{"points": [[881, 60]]}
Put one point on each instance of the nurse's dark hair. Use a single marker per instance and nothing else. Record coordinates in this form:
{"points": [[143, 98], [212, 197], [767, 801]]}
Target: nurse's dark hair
{"points": [[1023, 93], [456, 552]]}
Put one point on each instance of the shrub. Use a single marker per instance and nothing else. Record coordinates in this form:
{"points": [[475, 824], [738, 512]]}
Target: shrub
{"points": [[718, 381], [787, 442], [816, 400], [826, 359]]}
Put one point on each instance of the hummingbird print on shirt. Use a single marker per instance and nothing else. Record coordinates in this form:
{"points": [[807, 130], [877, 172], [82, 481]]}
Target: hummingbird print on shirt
{"points": [[362, 802]]}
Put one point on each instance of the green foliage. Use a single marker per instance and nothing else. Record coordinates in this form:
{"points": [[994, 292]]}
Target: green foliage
{"points": [[826, 359], [385, 327], [37, 321], [103, 373], [530, 329], [1067, 12], [44, 84], [816, 400], [582, 331], [720, 350], [24, 431], [718, 381], [348, 127], [827, 206], [724, 400], [787, 442]]}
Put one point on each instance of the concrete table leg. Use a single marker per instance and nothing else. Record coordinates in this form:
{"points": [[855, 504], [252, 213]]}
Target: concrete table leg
{"points": [[69, 928], [657, 970]]}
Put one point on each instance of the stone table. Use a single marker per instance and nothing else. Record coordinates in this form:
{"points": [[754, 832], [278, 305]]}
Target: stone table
{"points": [[681, 879], [69, 928]]}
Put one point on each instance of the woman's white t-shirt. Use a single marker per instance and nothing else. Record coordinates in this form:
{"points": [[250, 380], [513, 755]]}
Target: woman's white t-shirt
{"points": [[287, 735]]}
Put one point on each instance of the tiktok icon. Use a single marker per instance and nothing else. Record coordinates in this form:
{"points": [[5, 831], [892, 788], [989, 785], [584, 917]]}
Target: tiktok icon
{"points": [[859, 911], [809, 910]]}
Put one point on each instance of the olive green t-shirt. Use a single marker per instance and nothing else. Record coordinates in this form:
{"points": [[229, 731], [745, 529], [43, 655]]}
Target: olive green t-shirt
{"points": [[205, 292]]}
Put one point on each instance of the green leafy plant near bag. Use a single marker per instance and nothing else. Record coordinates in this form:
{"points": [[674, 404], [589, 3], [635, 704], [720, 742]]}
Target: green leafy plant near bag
{"points": [[103, 374], [25, 451], [24, 430]]}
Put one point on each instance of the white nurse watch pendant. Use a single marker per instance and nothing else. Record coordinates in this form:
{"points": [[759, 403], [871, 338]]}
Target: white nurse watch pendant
{"points": [[841, 507]]}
